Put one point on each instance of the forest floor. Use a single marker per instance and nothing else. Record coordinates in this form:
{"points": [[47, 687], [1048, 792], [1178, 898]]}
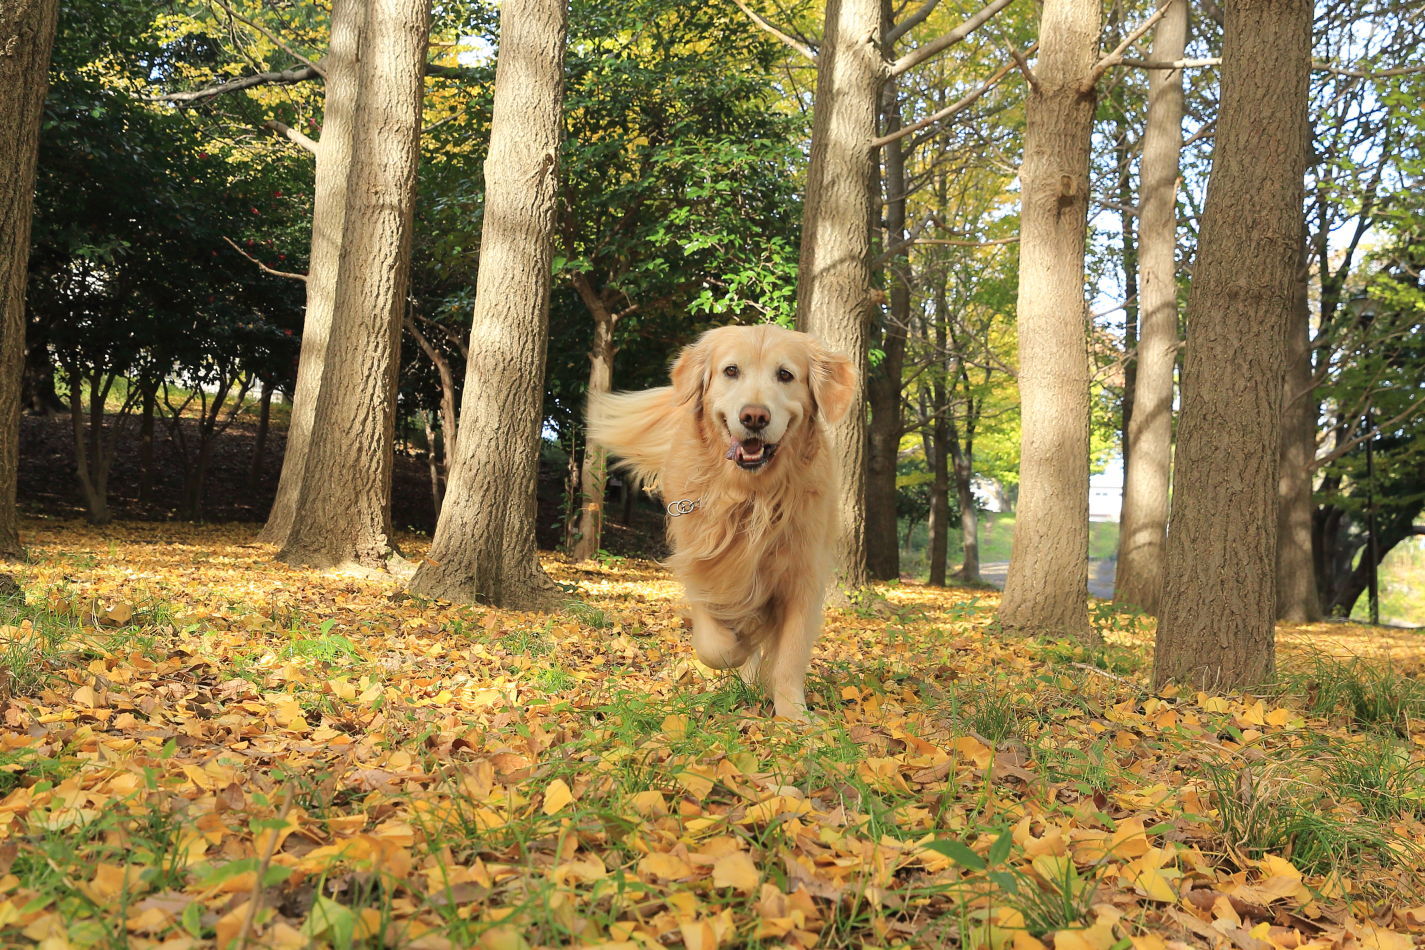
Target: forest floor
{"points": [[204, 748]]}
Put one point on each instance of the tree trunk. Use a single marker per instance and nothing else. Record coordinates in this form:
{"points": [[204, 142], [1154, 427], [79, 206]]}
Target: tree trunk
{"points": [[1217, 624], [937, 455], [437, 483], [329, 200], [883, 387], [264, 422], [1143, 524], [91, 464], [147, 410], [484, 545], [343, 512], [964, 459], [26, 35], [588, 533], [834, 278], [1297, 598], [1047, 587]]}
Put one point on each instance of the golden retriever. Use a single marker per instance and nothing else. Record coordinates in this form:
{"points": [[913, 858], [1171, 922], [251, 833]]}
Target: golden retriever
{"points": [[738, 448]]}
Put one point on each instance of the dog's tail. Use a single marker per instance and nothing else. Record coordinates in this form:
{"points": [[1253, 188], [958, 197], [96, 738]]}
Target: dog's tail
{"points": [[637, 427]]}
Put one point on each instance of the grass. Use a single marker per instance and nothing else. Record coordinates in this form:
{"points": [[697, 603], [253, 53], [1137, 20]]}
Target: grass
{"points": [[461, 776], [996, 537]]}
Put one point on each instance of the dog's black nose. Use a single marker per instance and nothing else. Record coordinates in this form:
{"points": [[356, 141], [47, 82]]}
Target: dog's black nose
{"points": [[754, 418]]}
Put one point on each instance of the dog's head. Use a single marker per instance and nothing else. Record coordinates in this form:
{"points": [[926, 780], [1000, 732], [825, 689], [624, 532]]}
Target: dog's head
{"points": [[756, 386]]}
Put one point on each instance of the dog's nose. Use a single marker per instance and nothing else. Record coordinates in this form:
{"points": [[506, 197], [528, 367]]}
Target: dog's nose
{"points": [[754, 418]]}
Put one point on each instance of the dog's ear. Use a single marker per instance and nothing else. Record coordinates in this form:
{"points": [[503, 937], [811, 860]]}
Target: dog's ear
{"points": [[689, 373], [833, 383]]}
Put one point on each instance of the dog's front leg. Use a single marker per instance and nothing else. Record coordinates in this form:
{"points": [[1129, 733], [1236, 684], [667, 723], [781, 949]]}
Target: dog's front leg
{"points": [[783, 668], [717, 646]]}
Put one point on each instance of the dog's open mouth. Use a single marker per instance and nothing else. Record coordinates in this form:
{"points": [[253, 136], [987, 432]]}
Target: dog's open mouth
{"points": [[751, 453]]}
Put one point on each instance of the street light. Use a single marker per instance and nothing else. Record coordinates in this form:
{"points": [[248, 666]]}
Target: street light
{"points": [[1364, 310]]}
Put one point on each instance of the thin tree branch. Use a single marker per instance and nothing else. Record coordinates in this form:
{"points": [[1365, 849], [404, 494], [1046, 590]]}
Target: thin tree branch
{"points": [[281, 77], [781, 35], [921, 53], [910, 22], [265, 32], [1023, 64], [1413, 409], [1116, 57], [263, 267], [287, 77], [291, 134], [961, 105], [1317, 65]]}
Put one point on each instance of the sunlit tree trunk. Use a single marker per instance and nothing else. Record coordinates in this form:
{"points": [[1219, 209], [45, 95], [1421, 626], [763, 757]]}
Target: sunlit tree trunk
{"points": [[588, 528], [26, 35], [883, 388], [1297, 597], [1217, 626], [343, 512], [1047, 587], [1143, 524], [328, 216], [484, 545], [834, 279]]}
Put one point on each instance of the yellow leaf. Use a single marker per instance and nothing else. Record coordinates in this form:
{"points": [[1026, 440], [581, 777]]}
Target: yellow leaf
{"points": [[664, 865], [736, 870], [556, 796]]}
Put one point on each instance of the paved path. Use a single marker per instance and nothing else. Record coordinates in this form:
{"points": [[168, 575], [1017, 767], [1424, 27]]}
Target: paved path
{"points": [[1101, 575]]}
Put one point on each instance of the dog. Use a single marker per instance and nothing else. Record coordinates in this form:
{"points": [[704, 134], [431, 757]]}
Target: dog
{"points": [[739, 449]]}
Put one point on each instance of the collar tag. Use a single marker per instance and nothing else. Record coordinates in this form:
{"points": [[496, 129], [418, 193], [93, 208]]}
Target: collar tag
{"points": [[683, 506]]}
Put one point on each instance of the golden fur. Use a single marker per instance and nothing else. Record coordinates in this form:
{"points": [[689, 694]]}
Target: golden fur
{"points": [[755, 556]]}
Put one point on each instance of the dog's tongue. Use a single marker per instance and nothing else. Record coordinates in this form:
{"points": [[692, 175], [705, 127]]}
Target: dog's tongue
{"points": [[747, 451]]}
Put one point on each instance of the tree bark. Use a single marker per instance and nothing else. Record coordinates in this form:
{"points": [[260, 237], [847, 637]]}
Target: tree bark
{"points": [[26, 36], [1298, 600], [1047, 587], [343, 511], [484, 545], [834, 297], [588, 532], [1143, 524], [147, 411], [1217, 624], [264, 425], [883, 388], [334, 155], [937, 455], [964, 462]]}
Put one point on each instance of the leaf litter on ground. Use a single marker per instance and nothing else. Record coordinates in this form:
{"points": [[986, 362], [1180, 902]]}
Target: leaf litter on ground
{"points": [[202, 747]]}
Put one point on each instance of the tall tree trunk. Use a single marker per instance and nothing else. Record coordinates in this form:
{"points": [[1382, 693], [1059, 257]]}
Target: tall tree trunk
{"points": [[343, 513], [1047, 587], [883, 387], [1143, 524], [937, 455], [1217, 623], [329, 199], [264, 425], [588, 533], [964, 460], [437, 480], [834, 298], [484, 545], [1297, 598], [147, 411], [26, 35]]}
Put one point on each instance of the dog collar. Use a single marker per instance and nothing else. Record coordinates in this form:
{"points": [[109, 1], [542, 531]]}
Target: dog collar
{"points": [[682, 506]]}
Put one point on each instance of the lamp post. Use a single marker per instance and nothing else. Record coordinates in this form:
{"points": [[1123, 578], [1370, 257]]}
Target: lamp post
{"points": [[1364, 310]]}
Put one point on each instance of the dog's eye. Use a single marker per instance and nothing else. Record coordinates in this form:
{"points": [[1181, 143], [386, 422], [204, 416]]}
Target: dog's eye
{"points": [[730, 372], [785, 376]]}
